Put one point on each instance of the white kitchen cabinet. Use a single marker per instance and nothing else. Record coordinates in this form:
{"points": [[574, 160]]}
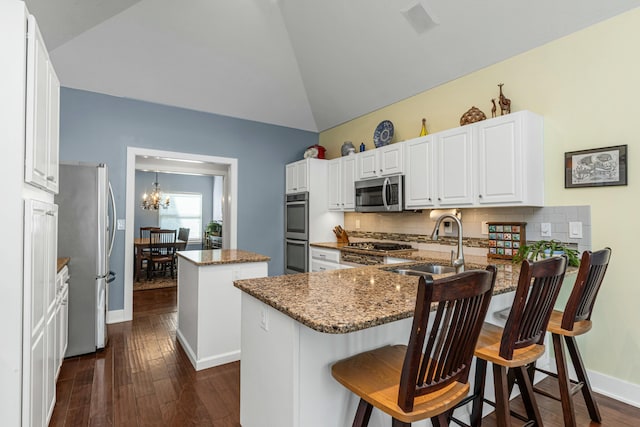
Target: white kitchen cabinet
{"points": [[341, 179], [455, 167], [297, 176], [323, 259], [382, 161], [40, 253], [419, 173], [510, 166], [62, 318], [42, 114]]}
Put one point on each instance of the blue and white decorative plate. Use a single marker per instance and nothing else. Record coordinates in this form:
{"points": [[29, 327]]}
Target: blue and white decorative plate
{"points": [[383, 134]]}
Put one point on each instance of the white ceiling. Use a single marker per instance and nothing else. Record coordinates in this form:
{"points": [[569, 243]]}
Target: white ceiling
{"points": [[306, 64]]}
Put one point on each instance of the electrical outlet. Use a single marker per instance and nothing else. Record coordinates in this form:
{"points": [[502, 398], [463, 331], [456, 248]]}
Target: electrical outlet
{"points": [[545, 229], [485, 227], [357, 224], [121, 224], [448, 227]]}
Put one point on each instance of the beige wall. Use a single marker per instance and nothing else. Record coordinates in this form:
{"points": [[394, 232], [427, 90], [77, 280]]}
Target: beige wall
{"points": [[587, 87]]}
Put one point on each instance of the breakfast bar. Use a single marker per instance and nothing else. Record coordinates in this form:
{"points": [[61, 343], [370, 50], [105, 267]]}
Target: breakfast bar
{"points": [[208, 304], [294, 327]]}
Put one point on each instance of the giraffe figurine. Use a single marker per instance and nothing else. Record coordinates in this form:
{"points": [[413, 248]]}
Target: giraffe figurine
{"points": [[505, 103], [493, 109]]}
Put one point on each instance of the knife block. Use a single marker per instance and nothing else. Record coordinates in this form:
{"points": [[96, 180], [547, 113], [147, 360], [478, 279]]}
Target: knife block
{"points": [[343, 238]]}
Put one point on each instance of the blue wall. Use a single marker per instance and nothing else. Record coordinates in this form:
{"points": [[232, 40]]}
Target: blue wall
{"points": [[99, 128], [170, 182]]}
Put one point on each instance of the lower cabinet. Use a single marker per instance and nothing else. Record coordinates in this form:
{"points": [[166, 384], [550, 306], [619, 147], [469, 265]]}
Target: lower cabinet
{"points": [[325, 259], [62, 318]]}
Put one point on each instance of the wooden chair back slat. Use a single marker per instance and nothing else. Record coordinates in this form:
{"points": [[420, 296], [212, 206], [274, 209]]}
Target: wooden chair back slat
{"points": [[538, 288], [440, 352], [593, 267]]}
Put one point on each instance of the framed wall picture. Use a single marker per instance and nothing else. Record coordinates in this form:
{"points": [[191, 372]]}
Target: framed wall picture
{"points": [[597, 167]]}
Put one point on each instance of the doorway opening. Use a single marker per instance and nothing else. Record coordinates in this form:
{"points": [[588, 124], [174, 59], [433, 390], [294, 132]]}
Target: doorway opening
{"points": [[174, 163]]}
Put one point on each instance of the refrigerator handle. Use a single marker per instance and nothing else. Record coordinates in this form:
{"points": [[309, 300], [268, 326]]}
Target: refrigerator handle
{"points": [[113, 226], [111, 277]]}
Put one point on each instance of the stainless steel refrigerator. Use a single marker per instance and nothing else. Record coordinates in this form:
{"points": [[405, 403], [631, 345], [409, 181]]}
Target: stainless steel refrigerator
{"points": [[86, 224]]}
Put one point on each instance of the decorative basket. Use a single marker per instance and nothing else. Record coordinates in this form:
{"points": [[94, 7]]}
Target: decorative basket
{"points": [[471, 116]]}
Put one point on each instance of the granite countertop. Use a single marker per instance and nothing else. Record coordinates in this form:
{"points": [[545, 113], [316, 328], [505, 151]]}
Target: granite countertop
{"points": [[221, 256], [61, 263], [348, 300]]}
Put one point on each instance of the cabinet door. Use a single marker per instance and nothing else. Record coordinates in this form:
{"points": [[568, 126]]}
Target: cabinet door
{"points": [[390, 159], [419, 169], [291, 178], [63, 331], [368, 164], [455, 167], [36, 137], [335, 184], [303, 176], [50, 367], [348, 182], [53, 136]]}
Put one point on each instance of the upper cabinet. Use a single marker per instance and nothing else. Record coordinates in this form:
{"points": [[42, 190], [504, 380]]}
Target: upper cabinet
{"points": [[342, 178], [42, 114], [495, 162], [510, 160], [419, 175], [297, 177], [382, 161]]}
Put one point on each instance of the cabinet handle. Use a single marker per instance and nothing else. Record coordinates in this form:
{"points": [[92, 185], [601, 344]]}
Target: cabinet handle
{"points": [[51, 178], [480, 196], [50, 213], [429, 199], [439, 199]]}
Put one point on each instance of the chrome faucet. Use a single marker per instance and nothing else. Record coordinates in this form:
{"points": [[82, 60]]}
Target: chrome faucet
{"points": [[458, 263]]}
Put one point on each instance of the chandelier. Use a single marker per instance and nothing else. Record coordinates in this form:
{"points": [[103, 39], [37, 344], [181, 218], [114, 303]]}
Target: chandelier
{"points": [[155, 200]]}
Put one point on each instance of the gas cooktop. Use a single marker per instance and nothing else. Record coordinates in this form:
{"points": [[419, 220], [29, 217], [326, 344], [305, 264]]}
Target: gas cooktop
{"points": [[380, 246]]}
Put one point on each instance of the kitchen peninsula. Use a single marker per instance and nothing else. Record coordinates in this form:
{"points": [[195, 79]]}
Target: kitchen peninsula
{"points": [[209, 305], [294, 327]]}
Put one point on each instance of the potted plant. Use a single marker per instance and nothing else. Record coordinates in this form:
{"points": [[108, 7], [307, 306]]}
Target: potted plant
{"points": [[547, 248], [213, 228]]}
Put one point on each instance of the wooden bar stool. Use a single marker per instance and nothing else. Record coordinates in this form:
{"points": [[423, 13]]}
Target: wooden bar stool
{"points": [[520, 342], [424, 380], [575, 321]]}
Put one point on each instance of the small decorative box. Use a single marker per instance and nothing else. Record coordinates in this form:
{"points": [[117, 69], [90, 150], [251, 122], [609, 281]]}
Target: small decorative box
{"points": [[505, 239]]}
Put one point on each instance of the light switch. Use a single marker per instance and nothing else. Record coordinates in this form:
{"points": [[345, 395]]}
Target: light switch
{"points": [[575, 230], [357, 224], [121, 225], [545, 229], [485, 227]]}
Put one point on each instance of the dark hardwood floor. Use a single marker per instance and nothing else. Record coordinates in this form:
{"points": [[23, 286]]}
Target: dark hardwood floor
{"points": [[144, 378]]}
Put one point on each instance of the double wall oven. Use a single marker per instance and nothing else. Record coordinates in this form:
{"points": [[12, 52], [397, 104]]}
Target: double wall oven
{"points": [[296, 225]]}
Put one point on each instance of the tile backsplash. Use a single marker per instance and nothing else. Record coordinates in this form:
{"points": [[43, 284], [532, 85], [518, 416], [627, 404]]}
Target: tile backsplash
{"points": [[420, 224]]}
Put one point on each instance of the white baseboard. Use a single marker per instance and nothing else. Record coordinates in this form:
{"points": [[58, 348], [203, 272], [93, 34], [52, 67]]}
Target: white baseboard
{"points": [[208, 362], [615, 388], [116, 316]]}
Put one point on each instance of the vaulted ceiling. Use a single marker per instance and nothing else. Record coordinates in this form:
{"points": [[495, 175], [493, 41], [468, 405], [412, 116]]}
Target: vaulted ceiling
{"points": [[306, 64]]}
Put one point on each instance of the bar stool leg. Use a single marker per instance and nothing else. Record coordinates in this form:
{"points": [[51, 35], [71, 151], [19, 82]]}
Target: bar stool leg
{"points": [[363, 413], [526, 391], [563, 382], [581, 372], [501, 387], [478, 391]]}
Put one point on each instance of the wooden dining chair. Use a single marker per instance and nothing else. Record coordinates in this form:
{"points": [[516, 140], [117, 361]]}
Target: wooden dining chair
{"points": [[183, 234], [144, 251], [426, 378], [575, 321], [162, 248], [520, 342]]}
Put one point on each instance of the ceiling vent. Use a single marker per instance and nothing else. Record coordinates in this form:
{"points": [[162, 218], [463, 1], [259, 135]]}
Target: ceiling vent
{"points": [[420, 16]]}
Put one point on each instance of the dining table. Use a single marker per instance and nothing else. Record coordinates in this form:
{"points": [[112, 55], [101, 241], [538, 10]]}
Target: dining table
{"points": [[140, 243]]}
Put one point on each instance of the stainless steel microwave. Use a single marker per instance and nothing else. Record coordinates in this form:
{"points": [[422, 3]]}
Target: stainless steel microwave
{"points": [[380, 194]]}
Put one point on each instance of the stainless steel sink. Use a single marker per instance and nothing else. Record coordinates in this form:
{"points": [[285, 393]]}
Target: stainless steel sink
{"points": [[420, 269]]}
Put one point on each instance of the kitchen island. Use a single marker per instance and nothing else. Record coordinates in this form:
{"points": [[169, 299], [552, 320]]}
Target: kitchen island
{"points": [[294, 327], [209, 305]]}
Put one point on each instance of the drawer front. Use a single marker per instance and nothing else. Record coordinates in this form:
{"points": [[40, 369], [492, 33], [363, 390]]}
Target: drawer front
{"points": [[319, 266], [329, 255]]}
